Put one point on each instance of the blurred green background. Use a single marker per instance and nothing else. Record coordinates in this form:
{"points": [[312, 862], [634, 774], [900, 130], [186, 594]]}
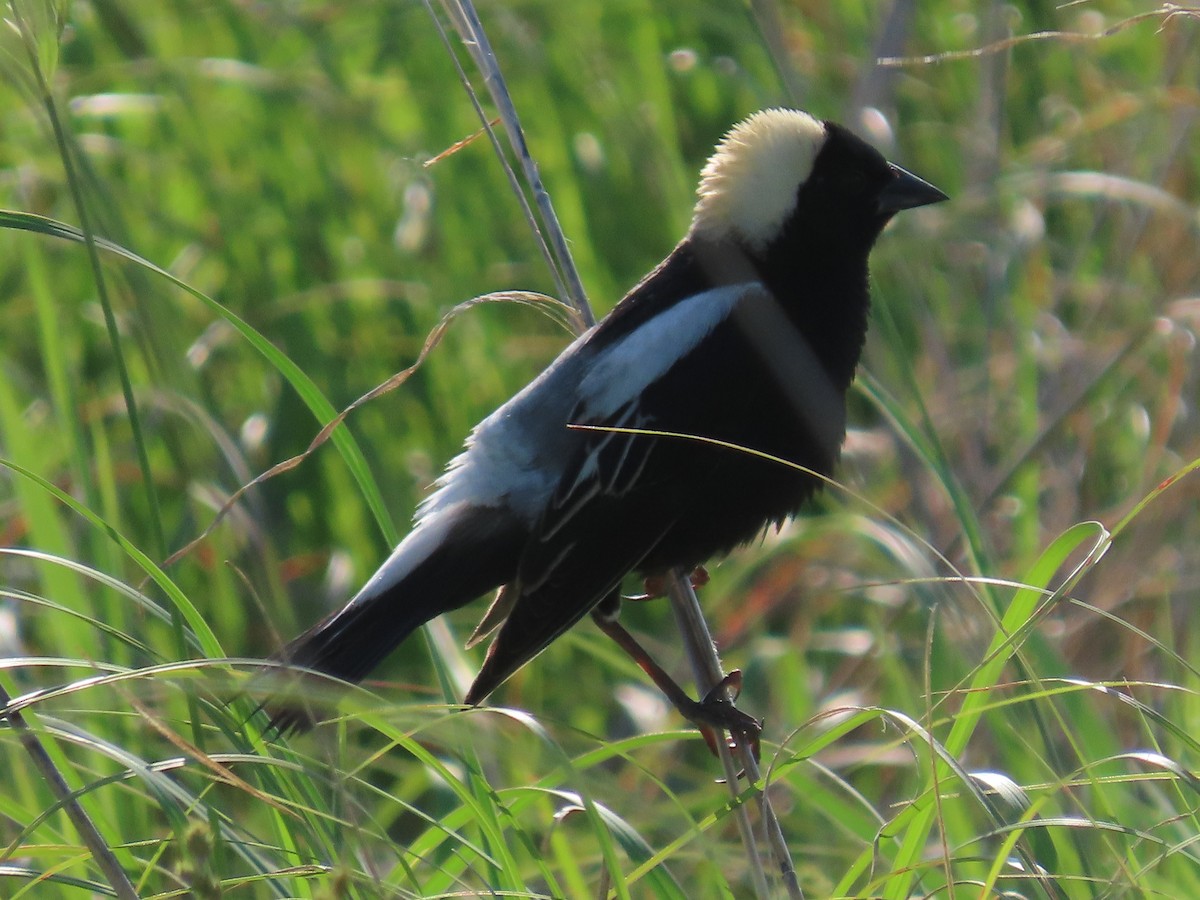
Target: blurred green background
{"points": [[1031, 367]]}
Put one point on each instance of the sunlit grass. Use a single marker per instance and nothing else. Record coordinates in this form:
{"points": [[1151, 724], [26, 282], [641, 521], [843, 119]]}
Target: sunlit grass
{"points": [[976, 663]]}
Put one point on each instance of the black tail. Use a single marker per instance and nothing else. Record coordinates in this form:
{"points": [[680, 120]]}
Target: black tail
{"points": [[440, 566]]}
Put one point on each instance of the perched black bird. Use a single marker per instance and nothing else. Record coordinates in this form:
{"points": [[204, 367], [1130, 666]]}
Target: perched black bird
{"points": [[748, 333]]}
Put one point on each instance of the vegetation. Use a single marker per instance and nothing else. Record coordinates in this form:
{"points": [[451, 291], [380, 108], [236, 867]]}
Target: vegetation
{"points": [[976, 657]]}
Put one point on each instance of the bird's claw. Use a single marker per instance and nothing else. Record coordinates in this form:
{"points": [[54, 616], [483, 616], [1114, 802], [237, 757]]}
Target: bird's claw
{"points": [[727, 690], [715, 713]]}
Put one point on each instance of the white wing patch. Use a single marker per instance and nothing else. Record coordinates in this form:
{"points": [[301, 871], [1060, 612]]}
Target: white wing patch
{"points": [[622, 371], [518, 455]]}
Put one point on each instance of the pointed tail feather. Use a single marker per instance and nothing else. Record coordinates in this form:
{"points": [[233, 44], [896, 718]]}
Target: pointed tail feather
{"points": [[444, 563]]}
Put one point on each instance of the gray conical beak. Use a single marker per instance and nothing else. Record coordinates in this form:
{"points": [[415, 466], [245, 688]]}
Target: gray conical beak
{"points": [[907, 191]]}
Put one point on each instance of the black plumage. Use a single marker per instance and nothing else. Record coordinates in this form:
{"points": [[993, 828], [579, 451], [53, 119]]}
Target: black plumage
{"points": [[748, 334]]}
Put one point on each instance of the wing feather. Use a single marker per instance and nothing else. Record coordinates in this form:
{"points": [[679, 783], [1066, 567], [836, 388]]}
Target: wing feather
{"points": [[619, 494]]}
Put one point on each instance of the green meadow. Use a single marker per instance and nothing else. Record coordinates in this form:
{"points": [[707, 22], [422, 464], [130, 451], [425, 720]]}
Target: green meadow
{"points": [[225, 222]]}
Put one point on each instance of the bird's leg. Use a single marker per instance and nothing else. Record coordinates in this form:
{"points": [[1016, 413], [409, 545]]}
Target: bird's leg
{"points": [[656, 585], [714, 713]]}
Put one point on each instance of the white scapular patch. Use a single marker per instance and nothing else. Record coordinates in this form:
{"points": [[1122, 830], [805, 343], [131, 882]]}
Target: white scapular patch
{"points": [[748, 187], [623, 371]]}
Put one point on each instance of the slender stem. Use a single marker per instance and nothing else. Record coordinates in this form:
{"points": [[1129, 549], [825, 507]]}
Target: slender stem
{"points": [[706, 665], [69, 801], [476, 39], [75, 189], [707, 670]]}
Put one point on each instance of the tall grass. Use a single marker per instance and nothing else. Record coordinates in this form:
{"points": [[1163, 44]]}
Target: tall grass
{"points": [[975, 658]]}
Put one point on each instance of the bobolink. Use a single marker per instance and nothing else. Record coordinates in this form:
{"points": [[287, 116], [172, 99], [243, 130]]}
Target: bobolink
{"points": [[748, 333]]}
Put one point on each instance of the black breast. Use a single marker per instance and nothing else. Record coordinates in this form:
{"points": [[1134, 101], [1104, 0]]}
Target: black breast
{"points": [[762, 386]]}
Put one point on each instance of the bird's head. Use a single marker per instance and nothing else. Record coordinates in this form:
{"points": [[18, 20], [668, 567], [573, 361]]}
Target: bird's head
{"points": [[781, 176]]}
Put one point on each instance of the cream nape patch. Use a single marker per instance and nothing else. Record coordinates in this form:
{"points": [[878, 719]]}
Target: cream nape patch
{"points": [[748, 187]]}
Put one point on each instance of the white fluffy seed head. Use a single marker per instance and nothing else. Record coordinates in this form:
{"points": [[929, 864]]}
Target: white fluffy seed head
{"points": [[748, 187]]}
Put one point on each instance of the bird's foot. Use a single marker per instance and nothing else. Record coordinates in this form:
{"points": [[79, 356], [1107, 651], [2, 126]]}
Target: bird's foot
{"points": [[715, 713], [712, 714]]}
